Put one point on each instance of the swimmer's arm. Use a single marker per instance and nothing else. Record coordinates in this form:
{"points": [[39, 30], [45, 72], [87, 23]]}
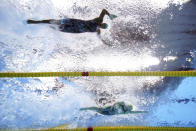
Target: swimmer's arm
{"points": [[101, 16], [98, 34]]}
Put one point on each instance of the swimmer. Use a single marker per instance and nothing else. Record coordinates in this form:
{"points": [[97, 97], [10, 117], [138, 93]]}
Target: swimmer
{"points": [[117, 108], [77, 25]]}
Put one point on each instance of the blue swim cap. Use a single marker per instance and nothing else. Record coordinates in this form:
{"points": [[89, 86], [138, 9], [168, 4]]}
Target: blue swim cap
{"points": [[130, 107], [106, 25]]}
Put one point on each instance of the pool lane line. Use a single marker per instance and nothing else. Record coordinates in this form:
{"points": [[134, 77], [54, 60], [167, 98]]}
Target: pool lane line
{"points": [[191, 73], [109, 128], [126, 128]]}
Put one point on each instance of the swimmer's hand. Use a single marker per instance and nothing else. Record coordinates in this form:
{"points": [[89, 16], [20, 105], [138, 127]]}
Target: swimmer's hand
{"points": [[98, 31], [112, 16]]}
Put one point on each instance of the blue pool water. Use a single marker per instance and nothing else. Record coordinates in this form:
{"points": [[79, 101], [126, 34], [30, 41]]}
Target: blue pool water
{"points": [[146, 36]]}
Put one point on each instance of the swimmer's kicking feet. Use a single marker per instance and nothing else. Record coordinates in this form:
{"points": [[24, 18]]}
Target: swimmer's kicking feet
{"points": [[77, 25]]}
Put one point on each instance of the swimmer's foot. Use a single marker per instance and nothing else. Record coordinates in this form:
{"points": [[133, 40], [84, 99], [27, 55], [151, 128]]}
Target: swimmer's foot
{"points": [[112, 16], [38, 21]]}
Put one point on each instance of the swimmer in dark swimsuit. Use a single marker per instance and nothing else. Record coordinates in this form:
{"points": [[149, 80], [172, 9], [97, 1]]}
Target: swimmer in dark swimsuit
{"points": [[78, 26]]}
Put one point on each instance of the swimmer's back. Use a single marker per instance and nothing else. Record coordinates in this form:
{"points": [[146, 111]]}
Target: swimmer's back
{"points": [[78, 26]]}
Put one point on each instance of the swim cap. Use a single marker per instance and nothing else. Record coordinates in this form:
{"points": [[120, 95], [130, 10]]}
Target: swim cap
{"points": [[131, 107], [104, 26]]}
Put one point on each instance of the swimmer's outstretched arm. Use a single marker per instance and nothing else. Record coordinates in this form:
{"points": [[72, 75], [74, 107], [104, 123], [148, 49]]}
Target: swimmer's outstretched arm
{"points": [[103, 13], [101, 16]]}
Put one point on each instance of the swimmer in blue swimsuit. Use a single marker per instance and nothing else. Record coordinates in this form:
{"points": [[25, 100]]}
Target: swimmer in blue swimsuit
{"points": [[78, 26]]}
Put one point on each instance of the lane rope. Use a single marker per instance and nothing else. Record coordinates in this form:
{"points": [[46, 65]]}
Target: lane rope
{"points": [[126, 128], [191, 73]]}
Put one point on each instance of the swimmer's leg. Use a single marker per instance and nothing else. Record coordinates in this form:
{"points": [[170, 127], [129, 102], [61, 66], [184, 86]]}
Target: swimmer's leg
{"points": [[38, 21], [50, 21], [135, 112]]}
